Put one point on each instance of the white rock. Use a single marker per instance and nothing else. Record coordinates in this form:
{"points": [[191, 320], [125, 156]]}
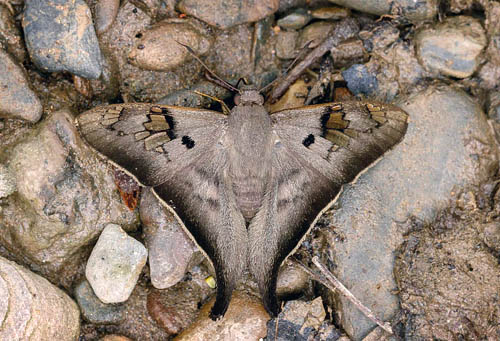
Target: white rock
{"points": [[115, 264]]}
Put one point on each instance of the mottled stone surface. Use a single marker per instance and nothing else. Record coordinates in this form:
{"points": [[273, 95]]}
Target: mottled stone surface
{"points": [[64, 198], [10, 35], [31, 308], [170, 250], [115, 264], [17, 100], [227, 13], [452, 47], [7, 182], [158, 48], [411, 9], [360, 80], [444, 148], [245, 319], [93, 310], [295, 20], [105, 14], [60, 36]]}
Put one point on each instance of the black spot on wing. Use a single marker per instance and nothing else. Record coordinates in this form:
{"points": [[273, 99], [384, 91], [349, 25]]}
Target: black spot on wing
{"points": [[309, 140], [188, 142]]}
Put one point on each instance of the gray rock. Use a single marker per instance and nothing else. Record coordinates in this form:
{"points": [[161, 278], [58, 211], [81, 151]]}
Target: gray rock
{"points": [[31, 308], [10, 35], [298, 321], [227, 13], [442, 150], [7, 182], [295, 20], [60, 37], [315, 33], [411, 9], [360, 80], [494, 105], [115, 264], [93, 310], [158, 50], [105, 14], [285, 44], [170, 250], [17, 100], [452, 47], [64, 198]]}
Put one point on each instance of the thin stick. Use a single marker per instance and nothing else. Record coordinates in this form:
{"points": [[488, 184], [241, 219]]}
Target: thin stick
{"points": [[225, 109], [192, 53], [337, 285], [345, 29]]}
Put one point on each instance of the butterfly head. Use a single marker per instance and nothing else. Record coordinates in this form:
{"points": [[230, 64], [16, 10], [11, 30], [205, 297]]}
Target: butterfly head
{"points": [[247, 95]]}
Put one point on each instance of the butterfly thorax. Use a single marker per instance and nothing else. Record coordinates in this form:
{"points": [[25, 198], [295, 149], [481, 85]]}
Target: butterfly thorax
{"points": [[249, 153]]}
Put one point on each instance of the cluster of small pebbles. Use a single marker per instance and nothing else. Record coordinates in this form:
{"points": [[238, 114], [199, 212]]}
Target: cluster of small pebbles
{"points": [[77, 261]]}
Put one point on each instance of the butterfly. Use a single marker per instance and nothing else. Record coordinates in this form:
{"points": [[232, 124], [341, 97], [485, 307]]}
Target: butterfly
{"points": [[247, 186]]}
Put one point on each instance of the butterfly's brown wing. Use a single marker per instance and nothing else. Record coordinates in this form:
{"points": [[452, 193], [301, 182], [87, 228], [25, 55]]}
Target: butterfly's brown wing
{"points": [[180, 153], [318, 149]]}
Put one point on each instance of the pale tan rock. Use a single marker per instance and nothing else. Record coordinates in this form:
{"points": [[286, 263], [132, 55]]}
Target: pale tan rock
{"points": [[245, 319], [31, 308]]}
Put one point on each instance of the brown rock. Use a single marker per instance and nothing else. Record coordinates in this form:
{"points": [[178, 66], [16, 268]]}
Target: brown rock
{"points": [[158, 49], [227, 13], [245, 319], [105, 14]]}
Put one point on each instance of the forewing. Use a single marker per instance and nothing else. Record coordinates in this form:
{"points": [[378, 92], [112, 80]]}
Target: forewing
{"points": [[318, 149], [151, 142], [180, 153]]}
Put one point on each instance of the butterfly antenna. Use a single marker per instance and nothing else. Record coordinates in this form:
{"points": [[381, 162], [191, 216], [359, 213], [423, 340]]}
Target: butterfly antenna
{"points": [[220, 81], [299, 56]]}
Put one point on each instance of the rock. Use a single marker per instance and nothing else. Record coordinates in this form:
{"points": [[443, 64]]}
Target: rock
{"points": [[93, 310], [188, 97], [360, 80], [421, 10], [379, 37], [285, 44], [227, 13], [136, 83], [492, 236], [298, 321], [31, 308], [452, 47], [171, 251], [158, 49], [10, 36], [295, 20], [114, 337], [64, 198], [115, 264], [489, 76], [378, 334], [177, 307], [292, 280], [315, 33], [245, 319], [331, 13], [7, 182], [348, 52], [443, 149], [105, 14], [60, 37], [494, 106], [17, 100]]}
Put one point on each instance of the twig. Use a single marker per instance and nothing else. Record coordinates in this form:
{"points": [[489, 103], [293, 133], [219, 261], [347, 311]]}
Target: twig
{"points": [[337, 285], [345, 29]]}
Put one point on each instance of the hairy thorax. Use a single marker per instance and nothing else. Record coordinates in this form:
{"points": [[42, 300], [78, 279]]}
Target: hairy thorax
{"points": [[249, 159]]}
